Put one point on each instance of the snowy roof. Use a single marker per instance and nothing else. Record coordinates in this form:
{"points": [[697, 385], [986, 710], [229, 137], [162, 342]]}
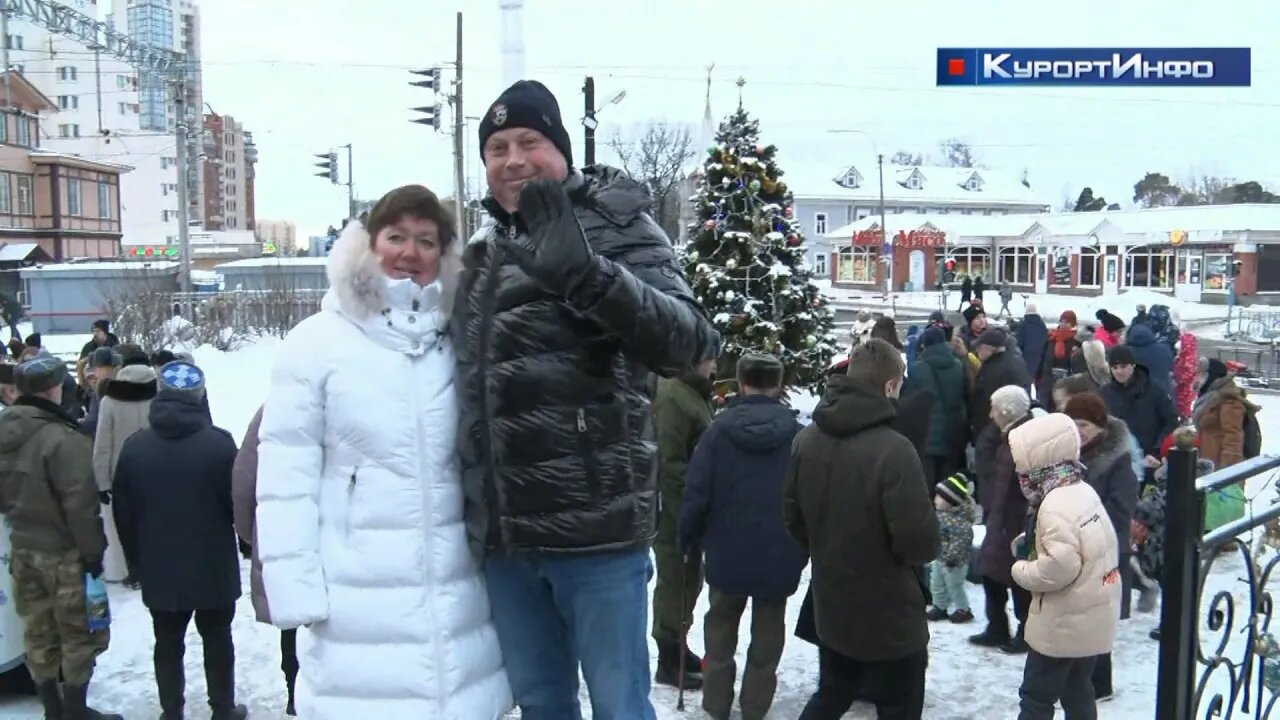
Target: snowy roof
{"points": [[108, 265], [833, 180], [275, 262], [40, 155], [15, 252], [1141, 221]]}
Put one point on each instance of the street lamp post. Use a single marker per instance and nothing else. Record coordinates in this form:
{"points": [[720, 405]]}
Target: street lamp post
{"points": [[589, 122], [886, 240]]}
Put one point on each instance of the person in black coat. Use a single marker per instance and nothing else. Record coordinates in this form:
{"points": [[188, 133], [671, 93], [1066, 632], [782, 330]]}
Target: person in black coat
{"points": [[173, 510], [1153, 354], [1141, 403], [999, 368], [1032, 336], [732, 512]]}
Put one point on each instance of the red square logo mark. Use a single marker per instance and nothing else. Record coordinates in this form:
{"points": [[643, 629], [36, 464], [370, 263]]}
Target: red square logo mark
{"points": [[955, 66]]}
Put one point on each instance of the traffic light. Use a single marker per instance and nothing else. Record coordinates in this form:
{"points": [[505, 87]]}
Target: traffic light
{"points": [[329, 165], [433, 83], [431, 116]]}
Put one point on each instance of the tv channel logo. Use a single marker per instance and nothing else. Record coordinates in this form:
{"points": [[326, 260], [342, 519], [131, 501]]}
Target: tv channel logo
{"points": [[1095, 67]]}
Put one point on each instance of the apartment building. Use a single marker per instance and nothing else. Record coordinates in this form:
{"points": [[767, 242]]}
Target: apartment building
{"points": [[280, 234], [228, 156], [69, 206], [100, 117]]}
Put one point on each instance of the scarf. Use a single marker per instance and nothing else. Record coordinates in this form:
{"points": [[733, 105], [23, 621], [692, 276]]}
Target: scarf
{"points": [[1038, 483], [1060, 336]]}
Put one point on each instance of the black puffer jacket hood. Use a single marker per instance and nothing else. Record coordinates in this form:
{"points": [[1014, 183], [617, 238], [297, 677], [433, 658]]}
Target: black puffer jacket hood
{"points": [[556, 438], [758, 424], [175, 416]]}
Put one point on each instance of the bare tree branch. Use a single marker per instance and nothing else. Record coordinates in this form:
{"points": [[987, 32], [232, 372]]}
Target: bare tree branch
{"points": [[656, 158]]}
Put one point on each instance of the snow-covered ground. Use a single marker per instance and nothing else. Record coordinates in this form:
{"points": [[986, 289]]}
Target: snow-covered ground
{"points": [[963, 681]]}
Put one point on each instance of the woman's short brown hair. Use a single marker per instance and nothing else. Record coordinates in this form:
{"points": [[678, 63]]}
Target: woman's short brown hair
{"points": [[414, 201]]}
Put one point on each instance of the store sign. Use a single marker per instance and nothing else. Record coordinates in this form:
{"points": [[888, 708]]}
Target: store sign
{"points": [[268, 248], [1177, 237], [923, 238], [152, 251], [872, 237]]}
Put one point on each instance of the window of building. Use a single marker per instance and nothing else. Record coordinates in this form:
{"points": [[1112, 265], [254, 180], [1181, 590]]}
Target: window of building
{"points": [[228, 138], [1148, 267], [24, 131], [857, 265], [69, 130], [1268, 273], [231, 156], [67, 73], [69, 102], [973, 262], [73, 197], [104, 200], [850, 179], [819, 223], [974, 183], [1217, 269], [26, 195], [820, 264], [4, 126], [1016, 265], [913, 181], [231, 222], [1090, 267], [6, 193], [14, 42], [167, 162]]}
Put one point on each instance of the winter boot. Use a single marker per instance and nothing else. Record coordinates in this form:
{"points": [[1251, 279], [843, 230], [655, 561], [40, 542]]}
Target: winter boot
{"points": [[961, 616], [1016, 645], [51, 698], [289, 707], [668, 672], [239, 712], [75, 705], [992, 637], [935, 614]]}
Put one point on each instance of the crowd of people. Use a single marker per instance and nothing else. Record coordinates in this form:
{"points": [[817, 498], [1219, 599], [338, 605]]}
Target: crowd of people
{"points": [[466, 473]]}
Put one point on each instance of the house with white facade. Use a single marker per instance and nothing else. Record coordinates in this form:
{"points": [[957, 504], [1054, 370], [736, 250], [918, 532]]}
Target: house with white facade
{"points": [[829, 195], [99, 119], [1198, 253]]}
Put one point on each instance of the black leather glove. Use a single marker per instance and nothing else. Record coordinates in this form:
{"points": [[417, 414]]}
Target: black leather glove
{"points": [[553, 251], [93, 567], [105, 497]]}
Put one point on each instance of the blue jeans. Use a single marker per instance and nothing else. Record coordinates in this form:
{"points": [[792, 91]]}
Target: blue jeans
{"points": [[554, 611], [947, 586]]}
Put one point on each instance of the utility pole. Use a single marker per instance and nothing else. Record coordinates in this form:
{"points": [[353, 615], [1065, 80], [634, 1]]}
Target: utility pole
{"points": [[351, 184], [184, 230], [8, 89], [884, 230], [589, 121], [459, 130]]}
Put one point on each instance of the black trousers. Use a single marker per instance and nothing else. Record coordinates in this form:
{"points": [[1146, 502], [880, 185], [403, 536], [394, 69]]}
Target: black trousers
{"points": [[214, 626], [997, 594], [896, 686], [289, 662], [1047, 680]]}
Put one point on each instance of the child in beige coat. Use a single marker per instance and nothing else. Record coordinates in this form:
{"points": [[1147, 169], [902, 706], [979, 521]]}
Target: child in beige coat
{"points": [[1068, 560]]}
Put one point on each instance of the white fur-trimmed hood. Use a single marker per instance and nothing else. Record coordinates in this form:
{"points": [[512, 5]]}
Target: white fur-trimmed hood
{"points": [[361, 286]]}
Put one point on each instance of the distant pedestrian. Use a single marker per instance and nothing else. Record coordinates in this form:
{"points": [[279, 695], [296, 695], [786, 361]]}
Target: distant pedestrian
{"points": [[966, 292], [172, 501], [979, 287], [1006, 295]]}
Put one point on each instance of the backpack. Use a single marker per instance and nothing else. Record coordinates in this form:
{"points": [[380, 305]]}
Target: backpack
{"points": [[1252, 434]]}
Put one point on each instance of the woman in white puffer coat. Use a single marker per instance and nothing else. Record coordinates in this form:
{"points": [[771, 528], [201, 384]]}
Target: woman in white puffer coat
{"points": [[359, 516]]}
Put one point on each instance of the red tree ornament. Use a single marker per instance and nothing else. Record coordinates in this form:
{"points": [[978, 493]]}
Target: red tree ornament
{"points": [[793, 240], [711, 225]]}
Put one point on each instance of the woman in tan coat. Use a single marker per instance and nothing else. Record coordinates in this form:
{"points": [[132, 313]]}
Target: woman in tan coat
{"points": [[123, 410], [244, 498], [1069, 562], [1219, 415]]}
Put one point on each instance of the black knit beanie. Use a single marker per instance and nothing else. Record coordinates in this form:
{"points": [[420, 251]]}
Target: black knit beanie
{"points": [[527, 104]]}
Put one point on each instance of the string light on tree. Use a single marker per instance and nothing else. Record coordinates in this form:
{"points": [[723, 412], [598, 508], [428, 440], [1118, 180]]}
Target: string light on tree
{"points": [[745, 259]]}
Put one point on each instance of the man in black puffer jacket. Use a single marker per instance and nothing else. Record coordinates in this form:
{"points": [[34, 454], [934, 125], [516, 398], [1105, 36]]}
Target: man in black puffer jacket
{"points": [[570, 301]]}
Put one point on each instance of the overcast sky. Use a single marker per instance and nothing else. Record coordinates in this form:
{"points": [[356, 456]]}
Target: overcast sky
{"points": [[305, 75]]}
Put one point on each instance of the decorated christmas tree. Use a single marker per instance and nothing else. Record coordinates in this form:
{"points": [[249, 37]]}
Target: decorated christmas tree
{"points": [[745, 260]]}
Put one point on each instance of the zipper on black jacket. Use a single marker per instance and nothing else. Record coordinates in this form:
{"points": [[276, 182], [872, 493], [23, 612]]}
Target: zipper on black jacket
{"points": [[587, 451], [488, 294]]}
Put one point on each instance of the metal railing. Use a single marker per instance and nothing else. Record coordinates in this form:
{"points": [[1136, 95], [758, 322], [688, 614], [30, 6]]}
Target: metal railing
{"points": [[1216, 657]]}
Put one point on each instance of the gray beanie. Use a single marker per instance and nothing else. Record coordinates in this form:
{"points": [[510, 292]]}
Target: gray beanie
{"points": [[1010, 403], [183, 379]]}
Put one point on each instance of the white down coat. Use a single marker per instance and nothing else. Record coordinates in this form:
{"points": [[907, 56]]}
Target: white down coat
{"points": [[359, 517]]}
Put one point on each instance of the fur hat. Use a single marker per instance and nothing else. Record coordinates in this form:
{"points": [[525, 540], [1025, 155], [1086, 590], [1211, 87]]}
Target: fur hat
{"points": [[1031, 309], [971, 313], [39, 374], [1010, 403], [527, 104], [1088, 407], [182, 378], [1068, 317], [103, 357], [993, 337], [1044, 441], [957, 489]]}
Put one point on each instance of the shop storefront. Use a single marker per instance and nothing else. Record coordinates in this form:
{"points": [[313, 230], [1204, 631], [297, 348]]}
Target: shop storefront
{"points": [[915, 256]]}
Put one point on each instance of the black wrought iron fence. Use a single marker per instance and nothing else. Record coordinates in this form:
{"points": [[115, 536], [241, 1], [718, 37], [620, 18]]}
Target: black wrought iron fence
{"points": [[1218, 658]]}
